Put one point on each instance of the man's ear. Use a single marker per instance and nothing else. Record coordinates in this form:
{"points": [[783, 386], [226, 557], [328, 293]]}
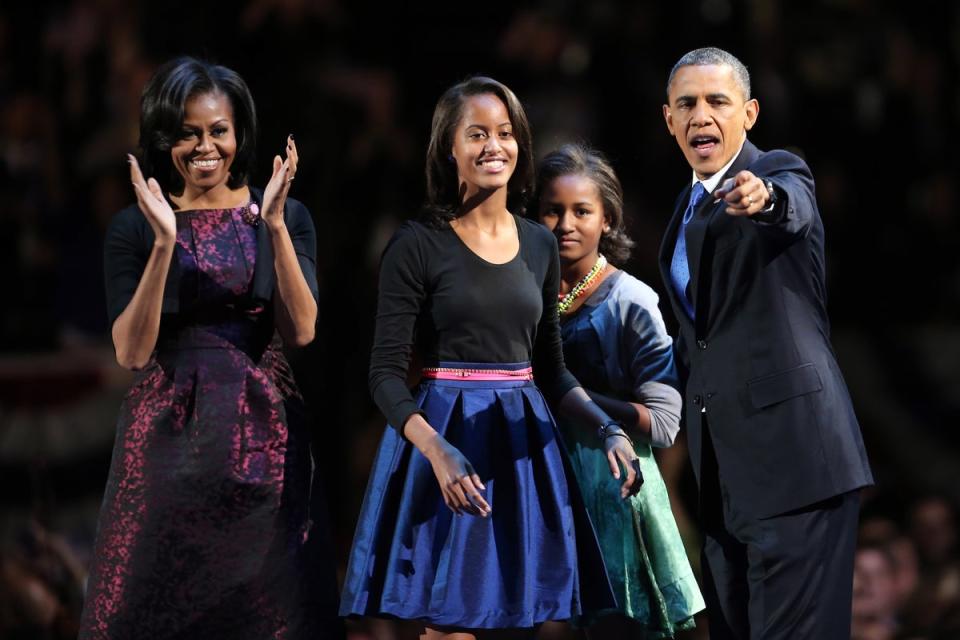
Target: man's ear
{"points": [[752, 108], [668, 118]]}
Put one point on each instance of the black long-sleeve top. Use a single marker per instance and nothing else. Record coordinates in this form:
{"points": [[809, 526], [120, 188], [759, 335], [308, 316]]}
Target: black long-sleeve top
{"points": [[455, 306]]}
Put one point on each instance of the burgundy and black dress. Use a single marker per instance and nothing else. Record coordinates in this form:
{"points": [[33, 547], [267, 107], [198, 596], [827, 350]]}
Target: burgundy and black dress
{"points": [[205, 529]]}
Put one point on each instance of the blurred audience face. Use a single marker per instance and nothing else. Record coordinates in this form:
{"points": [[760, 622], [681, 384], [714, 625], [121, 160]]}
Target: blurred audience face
{"points": [[874, 586], [933, 529], [207, 144], [708, 115], [877, 530], [907, 572], [883, 531]]}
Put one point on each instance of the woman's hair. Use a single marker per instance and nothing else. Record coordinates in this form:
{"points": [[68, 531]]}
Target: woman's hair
{"points": [[162, 110], [443, 186], [575, 159]]}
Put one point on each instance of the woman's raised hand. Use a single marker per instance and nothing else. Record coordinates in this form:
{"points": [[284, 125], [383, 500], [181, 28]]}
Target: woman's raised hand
{"points": [[153, 204], [275, 195]]}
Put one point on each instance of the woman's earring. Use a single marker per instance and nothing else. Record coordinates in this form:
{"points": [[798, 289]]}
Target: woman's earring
{"points": [[451, 158]]}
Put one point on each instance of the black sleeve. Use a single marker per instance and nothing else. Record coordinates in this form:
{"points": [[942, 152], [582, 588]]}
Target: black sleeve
{"points": [[549, 369], [304, 237], [796, 206], [126, 250], [400, 297]]}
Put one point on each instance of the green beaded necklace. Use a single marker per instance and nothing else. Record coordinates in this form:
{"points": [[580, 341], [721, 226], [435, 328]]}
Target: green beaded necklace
{"points": [[566, 301]]}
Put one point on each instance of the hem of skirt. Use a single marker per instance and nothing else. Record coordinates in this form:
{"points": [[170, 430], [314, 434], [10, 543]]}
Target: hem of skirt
{"points": [[686, 623], [682, 600], [471, 620]]}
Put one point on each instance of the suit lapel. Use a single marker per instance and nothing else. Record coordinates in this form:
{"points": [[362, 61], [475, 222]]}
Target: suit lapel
{"points": [[696, 232], [667, 246]]}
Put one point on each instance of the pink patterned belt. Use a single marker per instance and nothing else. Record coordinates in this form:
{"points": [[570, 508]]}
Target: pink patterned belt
{"points": [[448, 373]]}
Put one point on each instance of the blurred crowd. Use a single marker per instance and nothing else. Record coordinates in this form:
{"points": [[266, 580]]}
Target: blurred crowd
{"points": [[869, 108], [906, 582]]}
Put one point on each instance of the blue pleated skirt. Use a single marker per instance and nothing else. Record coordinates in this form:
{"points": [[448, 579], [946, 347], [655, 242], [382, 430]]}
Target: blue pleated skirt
{"points": [[535, 558]]}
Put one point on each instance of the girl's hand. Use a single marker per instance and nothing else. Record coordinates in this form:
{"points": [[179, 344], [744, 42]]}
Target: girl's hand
{"points": [[153, 204], [459, 483], [620, 451], [275, 195]]}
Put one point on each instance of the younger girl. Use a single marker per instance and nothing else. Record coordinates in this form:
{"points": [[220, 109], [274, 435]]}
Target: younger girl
{"points": [[615, 343]]}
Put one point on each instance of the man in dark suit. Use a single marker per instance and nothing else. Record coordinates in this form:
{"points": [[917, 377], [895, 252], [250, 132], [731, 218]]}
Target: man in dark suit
{"points": [[774, 441]]}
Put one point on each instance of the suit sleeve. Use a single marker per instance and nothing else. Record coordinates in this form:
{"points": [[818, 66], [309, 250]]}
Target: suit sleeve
{"points": [[796, 205], [400, 296]]}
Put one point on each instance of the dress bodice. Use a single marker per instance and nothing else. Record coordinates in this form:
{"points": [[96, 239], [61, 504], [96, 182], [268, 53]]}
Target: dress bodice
{"points": [[216, 255]]}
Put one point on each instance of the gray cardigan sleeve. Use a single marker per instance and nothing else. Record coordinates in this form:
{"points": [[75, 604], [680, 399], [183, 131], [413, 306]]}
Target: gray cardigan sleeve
{"points": [[649, 356]]}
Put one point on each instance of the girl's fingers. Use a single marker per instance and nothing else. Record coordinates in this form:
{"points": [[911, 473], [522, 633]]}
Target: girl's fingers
{"points": [[449, 501], [277, 164], [627, 487], [458, 494], [473, 495], [451, 504], [476, 480], [459, 498], [638, 482], [634, 477], [614, 467]]}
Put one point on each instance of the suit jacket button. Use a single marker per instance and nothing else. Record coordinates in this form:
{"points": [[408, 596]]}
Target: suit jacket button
{"points": [[702, 344], [697, 400]]}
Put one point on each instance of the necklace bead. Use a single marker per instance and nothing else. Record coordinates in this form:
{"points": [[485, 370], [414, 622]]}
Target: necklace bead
{"points": [[566, 301]]}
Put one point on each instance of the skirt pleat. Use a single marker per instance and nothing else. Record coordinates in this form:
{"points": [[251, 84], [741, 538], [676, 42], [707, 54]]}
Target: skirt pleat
{"points": [[413, 558]]}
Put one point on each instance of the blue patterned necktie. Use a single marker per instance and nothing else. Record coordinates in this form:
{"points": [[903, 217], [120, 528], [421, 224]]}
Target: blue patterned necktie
{"points": [[679, 269]]}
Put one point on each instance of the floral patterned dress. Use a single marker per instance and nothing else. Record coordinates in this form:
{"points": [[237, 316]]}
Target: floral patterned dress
{"points": [[205, 530]]}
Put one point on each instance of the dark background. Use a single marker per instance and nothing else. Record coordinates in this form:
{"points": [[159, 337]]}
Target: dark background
{"points": [[866, 92]]}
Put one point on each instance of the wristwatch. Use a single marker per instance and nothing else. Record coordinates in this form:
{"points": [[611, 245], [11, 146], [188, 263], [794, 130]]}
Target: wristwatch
{"points": [[772, 194]]}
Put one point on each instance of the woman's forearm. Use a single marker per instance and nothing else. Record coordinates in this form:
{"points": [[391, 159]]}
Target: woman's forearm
{"points": [[136, 329], [419, 432], [593, 409], [295, 305], [576, 405], [634, 416]]}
